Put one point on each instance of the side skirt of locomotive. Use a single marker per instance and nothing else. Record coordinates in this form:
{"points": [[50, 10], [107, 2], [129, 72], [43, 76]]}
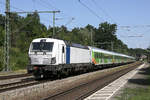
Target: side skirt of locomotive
{"points": [[59, 71]]}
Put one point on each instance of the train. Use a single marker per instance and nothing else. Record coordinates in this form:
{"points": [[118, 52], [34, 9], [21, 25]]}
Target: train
{"points": [[49, 57]]}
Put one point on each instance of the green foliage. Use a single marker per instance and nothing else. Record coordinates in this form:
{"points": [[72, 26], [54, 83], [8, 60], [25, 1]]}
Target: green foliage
{"points": [[1, 58], [2, 31], [148, 48], [25, 29], [138, 52], [105, 34], [18, 59]]}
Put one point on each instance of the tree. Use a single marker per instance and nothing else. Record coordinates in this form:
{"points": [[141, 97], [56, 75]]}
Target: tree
{"points": [[148, 48], [25, 29], [2, 30], [105, 34]]}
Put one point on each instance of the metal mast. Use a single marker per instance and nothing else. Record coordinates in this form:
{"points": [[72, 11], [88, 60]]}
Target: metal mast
{"points": [[54, 24], [7, 37]]}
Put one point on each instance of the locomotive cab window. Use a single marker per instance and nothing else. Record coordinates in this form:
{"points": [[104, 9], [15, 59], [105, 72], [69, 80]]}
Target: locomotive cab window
{"points": [[42, 46]]}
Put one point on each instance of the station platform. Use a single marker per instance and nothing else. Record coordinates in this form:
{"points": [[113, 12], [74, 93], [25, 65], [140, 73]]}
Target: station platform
{"points": [[114, 89]]}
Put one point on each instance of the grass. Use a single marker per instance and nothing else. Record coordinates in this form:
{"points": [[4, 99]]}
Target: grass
{"points": [[139, 93], [135, 94], [18, 61], [22, 71]]}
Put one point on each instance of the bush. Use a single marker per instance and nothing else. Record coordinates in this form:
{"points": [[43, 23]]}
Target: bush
{"points": [[18, 59]]}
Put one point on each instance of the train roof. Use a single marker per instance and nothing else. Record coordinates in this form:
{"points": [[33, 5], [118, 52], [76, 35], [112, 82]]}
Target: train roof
{"points": [[46, 39], [76, 45], [81, 46], [102, 50], [66, 42], [109, 52]]}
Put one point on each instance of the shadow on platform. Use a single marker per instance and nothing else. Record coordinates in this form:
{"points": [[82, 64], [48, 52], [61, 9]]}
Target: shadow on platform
{"points": [[145, 81]]}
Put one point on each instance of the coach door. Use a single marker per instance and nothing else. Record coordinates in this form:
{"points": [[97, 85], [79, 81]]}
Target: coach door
{"points": [[63, 54]]}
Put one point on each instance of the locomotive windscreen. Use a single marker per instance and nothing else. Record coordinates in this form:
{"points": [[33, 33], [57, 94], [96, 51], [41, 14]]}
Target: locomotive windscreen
{"points": [[42, 46]]}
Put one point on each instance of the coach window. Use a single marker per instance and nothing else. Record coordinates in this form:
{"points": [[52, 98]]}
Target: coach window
{"points": [[63, 49]]}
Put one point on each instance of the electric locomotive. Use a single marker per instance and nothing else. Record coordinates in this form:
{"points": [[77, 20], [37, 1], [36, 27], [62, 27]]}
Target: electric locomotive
{"points": [[49, 57], [52, 56]]}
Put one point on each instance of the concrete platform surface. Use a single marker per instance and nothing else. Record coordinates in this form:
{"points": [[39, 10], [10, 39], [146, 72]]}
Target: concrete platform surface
{"points": [[112, 90]]}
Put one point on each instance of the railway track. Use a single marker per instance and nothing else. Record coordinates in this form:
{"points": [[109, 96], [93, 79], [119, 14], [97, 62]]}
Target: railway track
{"points": [[20, 84], [14, 76], [85, 89], [16, 85], [77, 92]]}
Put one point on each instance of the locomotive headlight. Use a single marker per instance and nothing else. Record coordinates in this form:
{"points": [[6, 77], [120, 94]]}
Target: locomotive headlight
{"points": [[53, 60]]}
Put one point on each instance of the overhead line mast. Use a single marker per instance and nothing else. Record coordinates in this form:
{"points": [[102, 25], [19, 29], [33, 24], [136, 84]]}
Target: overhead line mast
{"points": [[7, 33], [7, 37]]}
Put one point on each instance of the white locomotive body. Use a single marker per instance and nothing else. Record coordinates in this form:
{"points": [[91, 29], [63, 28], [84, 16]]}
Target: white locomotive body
{"points": [[45, 51], [49, 55]]}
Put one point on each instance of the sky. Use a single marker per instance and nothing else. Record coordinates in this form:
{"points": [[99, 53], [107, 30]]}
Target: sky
{"points": [[131, 16]]}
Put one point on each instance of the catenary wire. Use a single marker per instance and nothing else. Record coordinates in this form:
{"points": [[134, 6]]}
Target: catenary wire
{"points": [[100, 8], [93, 12]]}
